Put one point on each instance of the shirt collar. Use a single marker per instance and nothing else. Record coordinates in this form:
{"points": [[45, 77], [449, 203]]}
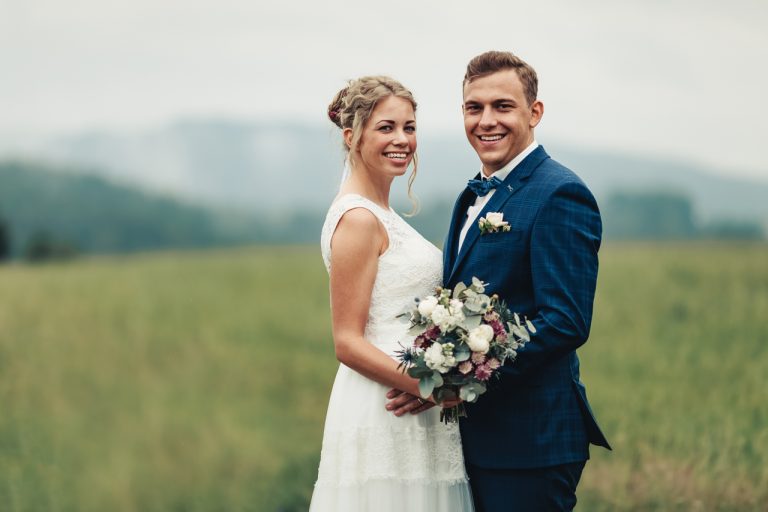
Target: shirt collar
{"points": [[504, 171]]}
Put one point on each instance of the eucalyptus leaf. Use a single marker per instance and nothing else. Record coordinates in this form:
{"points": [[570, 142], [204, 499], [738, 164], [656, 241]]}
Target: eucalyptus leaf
{"points": [[478, 285], [426, 385], [437, 379], [473, 321], [458, 289], [417, 329], [462, 352], [478, 388], [417, 372], [467, 394], [404, 318], [474, 304]]}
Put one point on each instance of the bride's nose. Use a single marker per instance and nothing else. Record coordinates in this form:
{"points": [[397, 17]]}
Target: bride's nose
{"points": [[399, 138]]}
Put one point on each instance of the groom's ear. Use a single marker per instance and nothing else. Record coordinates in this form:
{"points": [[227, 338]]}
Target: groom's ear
{"points": [[537, 112]]}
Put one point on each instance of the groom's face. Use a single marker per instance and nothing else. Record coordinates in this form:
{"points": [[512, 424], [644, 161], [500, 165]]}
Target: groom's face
{"points": [[498, 121]]}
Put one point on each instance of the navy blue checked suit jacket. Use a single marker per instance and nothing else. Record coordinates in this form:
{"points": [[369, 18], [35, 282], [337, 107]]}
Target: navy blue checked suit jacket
{"points": [[545, 267]]}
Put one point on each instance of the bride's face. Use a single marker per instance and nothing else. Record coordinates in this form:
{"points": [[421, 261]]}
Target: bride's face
{"points": [[388, 141]]}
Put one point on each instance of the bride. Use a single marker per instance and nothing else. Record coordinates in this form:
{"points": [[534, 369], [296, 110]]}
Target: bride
{"points": [[372, 460]]}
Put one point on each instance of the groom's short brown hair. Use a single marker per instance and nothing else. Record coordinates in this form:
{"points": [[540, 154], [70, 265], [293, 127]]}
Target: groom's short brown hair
{"points": [[490, 62]]}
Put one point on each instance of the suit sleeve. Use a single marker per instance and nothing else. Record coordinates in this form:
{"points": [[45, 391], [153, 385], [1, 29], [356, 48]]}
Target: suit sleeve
{"points": [[564, 243]]}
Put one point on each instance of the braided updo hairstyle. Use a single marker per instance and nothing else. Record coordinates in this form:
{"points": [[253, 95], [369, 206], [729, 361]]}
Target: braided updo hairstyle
{"points": [[352, 106]]}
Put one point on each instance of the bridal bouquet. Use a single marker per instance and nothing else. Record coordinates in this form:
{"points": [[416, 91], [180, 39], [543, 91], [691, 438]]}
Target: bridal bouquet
{"points": [[462, 338]]}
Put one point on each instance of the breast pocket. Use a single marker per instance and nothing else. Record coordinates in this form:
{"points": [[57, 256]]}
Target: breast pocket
{"points": [[512, 236], [505, 253]]}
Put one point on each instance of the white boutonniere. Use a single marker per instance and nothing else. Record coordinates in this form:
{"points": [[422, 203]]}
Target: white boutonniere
{"points": [[493, 222]]}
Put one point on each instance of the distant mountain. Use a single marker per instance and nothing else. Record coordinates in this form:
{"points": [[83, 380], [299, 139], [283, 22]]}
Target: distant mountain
{"points": [[276, 166], [88, 214]]}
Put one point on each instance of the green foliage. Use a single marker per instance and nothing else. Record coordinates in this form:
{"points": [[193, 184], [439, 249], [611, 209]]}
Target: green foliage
{"points": [[44, 247], [5, 241], [632, 215], [199, 381], [731, 229], [96, 216], [649, 216]]}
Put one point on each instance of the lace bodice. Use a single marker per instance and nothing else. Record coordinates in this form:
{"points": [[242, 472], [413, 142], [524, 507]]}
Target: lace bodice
{"points": [[410, 267]]}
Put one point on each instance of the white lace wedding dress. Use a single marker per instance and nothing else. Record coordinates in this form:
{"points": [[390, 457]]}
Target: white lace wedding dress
{"points": [[372, 460]]}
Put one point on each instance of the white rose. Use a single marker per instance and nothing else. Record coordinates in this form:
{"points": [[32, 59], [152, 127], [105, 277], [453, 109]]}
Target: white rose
{"points": [[427, 305], [480, 338], [435, 358], [495, 218], [440, 315], [457, 307]]}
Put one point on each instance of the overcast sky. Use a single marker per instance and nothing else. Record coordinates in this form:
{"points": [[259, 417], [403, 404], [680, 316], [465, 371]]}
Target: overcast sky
{"points": [[681, 79]]}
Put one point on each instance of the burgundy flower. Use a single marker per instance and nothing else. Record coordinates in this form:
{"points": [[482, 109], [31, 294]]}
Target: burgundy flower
{"points": [[483, 372], [498, 331], [432, 333], [420, 341]]}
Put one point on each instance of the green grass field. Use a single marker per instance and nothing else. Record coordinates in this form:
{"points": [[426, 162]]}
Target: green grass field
{"points": [[198, 381]]}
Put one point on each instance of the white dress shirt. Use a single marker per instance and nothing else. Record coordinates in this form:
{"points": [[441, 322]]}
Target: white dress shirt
{"points": [[474, 209]]}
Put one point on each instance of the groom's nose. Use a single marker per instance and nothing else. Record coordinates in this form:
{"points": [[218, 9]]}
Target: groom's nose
{"points": [[488, 119]]}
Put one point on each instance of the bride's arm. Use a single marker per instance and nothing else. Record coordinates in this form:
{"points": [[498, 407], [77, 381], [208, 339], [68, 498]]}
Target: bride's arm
{"points": [[356, 245]]}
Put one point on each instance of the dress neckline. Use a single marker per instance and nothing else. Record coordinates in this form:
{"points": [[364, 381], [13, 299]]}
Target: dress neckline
{"points": [[353, 194]]}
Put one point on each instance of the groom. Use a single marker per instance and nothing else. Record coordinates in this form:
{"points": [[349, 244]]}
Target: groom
{"points": [[526, 440]]}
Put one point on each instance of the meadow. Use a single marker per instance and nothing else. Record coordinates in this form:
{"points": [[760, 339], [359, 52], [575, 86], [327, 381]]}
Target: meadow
{"points": [[197, 381]]}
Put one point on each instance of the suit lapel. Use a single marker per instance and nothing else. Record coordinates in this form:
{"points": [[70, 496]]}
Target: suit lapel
{"points": [[459, 213], [513, 182]]}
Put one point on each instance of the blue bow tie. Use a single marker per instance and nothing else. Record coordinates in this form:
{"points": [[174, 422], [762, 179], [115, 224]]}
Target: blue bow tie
{"points": [[481, 187]]}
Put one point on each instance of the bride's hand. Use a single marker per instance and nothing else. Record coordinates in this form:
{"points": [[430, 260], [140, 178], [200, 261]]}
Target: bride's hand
{"points": [[447, 404], [400, 403]]}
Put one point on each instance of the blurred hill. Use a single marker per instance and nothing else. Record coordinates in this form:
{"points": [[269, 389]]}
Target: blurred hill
{"points": [[69, 211], [211, 183], [281, 166]]}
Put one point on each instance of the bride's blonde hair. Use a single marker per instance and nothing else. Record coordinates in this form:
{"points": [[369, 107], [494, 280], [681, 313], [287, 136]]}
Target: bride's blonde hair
{"points": [[353, 105]]}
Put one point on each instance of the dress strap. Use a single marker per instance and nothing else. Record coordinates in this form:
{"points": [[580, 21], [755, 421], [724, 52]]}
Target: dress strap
{"points": [[337, 210]]}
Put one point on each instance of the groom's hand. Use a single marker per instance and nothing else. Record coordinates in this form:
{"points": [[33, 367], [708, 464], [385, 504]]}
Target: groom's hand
{"points": [[401, 403]]}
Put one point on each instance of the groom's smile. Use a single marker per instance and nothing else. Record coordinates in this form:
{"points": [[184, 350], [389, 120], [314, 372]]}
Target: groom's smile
{"points": [[491, 138], [498, 121]]}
